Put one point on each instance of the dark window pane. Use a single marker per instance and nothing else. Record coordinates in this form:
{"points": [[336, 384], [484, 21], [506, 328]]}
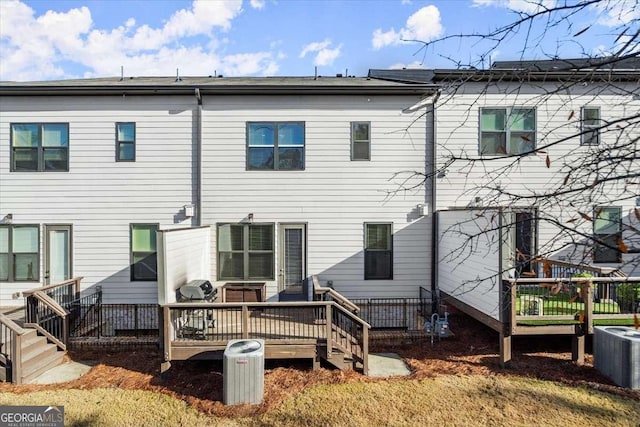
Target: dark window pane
{"points": [[260, 238], [25, 135], [25, 267], [378, 236], [591, 137], [360, 131], [145, 266], [231, 265], [260, 158], [126, 151], [260, 266], [361, 150], [261, 134], [25, 159], [377, 265], [290, 158], [4, 267], [55, 159], [290, 134], [607, 251], [493, 143], [521, 142]]}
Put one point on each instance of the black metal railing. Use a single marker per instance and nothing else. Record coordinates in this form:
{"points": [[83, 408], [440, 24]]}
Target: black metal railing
{"points": [[394, 313]]}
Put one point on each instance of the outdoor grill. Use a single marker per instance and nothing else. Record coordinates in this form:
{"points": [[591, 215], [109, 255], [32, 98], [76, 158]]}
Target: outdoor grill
{"points": [[197, 290]]}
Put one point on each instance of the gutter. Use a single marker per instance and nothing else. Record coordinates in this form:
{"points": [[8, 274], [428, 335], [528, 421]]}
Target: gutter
{"points": [[115, 89], [198, 158], [434, 219]]}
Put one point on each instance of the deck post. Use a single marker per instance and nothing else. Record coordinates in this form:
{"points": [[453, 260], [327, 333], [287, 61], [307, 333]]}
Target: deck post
{"points": [[166, 338], [577, 345], [16, 361], [245, 322], [505, 348], [365, 350], [588, 308], [329, 329]]}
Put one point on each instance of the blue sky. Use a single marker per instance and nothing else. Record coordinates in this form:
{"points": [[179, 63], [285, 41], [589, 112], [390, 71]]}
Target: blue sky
{"points": [[48, 39]]}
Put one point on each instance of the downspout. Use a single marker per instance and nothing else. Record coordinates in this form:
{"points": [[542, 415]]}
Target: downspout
{"points": [[434, 217], [198, 159]]}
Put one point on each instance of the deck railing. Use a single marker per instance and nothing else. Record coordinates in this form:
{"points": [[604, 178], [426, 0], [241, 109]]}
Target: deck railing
{"points": [[562, 269], [48, 317], [49, 309], [572, 300], [11, 348], [290, 322], [330, 294]]}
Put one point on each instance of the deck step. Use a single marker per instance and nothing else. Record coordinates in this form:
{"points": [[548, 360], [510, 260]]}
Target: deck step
{"points": [[33, 369]]}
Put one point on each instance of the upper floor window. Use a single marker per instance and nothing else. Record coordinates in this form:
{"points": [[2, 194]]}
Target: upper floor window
{"points": [[245, 252], [607, 232], [125, 142], [360, 141], [19, 253], [275, 146], [590, 129], [144, 256], [505, 131], [39, 147], [378, 251]]}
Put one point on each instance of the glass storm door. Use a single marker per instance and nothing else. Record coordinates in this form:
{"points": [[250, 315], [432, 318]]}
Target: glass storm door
{"points": [[58, 253], [292, 257]]}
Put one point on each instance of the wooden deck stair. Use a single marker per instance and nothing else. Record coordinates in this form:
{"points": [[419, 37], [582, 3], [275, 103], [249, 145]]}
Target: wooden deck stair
{"points": [[37, 356]]}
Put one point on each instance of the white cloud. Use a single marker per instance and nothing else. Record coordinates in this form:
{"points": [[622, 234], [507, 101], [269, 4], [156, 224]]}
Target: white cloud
{"points": [[424, 25], [45, 43], [257, 4], [524, 6], [406, 2], [325, 55], [617, 12]]}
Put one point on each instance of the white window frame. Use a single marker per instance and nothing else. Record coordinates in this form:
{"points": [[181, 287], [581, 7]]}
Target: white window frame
{"points": [[508, 131], [588, 131], [355, 141]]}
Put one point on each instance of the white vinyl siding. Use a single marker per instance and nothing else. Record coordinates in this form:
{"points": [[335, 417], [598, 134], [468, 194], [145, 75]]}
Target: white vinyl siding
{"points": [[557, 118], [99, 196], [333, 196]]}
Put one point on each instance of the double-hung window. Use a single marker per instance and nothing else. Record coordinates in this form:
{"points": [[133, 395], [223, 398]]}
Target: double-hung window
{"points": [[125, 142], [144, 256], [245, 251], [590, 130], [378, 251], [360, 141], [507, 131], [275, 145], [39, 147], [607, 232], [19, 253]]}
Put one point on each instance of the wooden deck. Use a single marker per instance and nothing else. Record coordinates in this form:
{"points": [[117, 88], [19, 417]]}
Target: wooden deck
{"points": [[322, 330]]}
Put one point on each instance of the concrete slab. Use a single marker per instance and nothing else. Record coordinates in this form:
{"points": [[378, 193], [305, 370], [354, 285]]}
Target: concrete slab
{"points": [[387, 365], [63, 373]]}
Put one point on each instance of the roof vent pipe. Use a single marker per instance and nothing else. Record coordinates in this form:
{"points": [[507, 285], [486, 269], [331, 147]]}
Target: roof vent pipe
{"points": [[121, 72], [178, 79]]}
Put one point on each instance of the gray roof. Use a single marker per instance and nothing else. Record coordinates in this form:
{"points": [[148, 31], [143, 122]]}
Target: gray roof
{"points": [[215, 85], [619, 69], [605, 63]]}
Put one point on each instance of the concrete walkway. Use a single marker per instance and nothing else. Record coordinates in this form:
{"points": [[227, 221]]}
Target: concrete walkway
{"points": [[63, 373], [387, 365]]}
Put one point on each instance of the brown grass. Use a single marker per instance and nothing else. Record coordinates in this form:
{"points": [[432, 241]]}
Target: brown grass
{"points": [[472, 352]]}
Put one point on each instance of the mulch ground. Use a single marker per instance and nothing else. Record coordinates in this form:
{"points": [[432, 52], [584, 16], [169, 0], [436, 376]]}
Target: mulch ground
{"points": [[472, 351]]}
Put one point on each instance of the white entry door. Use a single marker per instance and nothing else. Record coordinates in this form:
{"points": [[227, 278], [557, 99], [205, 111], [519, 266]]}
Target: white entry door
{"points": [[57, 253], [293, 257]]}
